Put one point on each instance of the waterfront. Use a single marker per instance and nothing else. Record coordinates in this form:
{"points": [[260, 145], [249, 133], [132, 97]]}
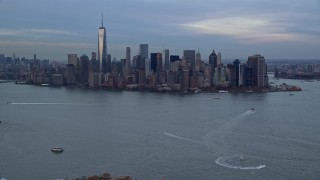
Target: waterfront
{"points": [[154, 135]]}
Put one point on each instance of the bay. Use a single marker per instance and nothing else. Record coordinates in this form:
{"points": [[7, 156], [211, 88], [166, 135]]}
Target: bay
{"points": [[154, 135]]}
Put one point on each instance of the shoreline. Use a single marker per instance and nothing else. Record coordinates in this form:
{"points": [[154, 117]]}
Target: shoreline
{"points": [[247, 89]]}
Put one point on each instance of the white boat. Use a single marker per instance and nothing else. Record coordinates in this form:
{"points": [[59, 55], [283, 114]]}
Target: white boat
{"points": [[57, 150], [222, 91], [242, 157], [252, 110]]}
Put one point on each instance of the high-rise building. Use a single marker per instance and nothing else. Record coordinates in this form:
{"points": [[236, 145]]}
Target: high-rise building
{"points": [[198, 61], [235, 73], [128, 62], [84, 68], [108, 64], [159, 62], [73, 59], [140, 62], [190, 57], [143, 50], [94, 64], [220, 78], [259, 70], [102, 49], [219, 61], [174, 58], [153, 59], [166, 59], [213, 60]]}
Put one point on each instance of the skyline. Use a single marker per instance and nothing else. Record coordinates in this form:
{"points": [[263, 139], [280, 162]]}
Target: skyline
{"points": [[278, 30]]}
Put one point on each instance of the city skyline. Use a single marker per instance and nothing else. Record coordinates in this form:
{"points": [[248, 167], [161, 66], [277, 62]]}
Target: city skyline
{"points": [[278, 30]]}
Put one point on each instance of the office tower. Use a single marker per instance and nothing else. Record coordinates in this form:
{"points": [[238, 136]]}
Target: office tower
{"points": [[186, 80], [219, 60], [159, 62], [84, 69], [140, 62], [213, 60], [198, 61], [2, 58], [93, 55], [242, 74], [94, 71], [128, 62], [94, 64], [190, 57], [143, 50], [166, 59], [73, 59], [147, 66], [235, 73], [153, 58], [259, 70], [108, 66], [174, 58], [220, 78], [102, 48]]}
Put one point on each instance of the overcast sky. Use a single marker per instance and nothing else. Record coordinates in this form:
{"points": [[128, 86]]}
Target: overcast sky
{"points": [[277, 29]]}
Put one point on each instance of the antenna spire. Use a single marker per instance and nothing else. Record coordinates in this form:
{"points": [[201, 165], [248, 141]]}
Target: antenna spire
{"points": [[101, 19]]}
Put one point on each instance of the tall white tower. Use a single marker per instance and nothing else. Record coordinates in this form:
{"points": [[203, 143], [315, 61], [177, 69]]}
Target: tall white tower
{"points": [[102, 48]]}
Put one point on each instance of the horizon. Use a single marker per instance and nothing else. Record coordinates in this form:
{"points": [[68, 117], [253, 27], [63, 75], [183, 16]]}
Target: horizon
{"points": [[286, 30]]}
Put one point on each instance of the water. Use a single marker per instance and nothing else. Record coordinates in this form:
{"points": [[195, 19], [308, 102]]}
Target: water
{"points": [[151, 135]]}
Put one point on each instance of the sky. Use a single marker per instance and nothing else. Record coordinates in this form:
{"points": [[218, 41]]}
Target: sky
{"points": [[52, 29]]}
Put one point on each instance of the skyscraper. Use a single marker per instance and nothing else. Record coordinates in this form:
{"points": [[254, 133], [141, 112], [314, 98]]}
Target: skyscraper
{"points": [[84, 68], [143, 51], [128, 62], [73, 59], [190, 57], [259, 70], [198, 61], [219, 58], [213, 60], [102, 48], [166, 59], [153, 59], [159, 62]]}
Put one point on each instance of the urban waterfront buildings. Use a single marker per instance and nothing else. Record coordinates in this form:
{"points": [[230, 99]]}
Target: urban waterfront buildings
{"points": [[161, 71]]}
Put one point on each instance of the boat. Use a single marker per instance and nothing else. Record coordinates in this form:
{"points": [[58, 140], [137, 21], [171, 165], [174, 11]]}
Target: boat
{"points": [[223, 91], [215, 98], [252, 110], [242, 157], [8, 102], [291, 94], [57, 150]]}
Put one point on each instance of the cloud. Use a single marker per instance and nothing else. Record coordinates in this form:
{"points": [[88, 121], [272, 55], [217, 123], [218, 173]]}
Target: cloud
{"points": [[50, 44], [247, 29], [30, 32]]}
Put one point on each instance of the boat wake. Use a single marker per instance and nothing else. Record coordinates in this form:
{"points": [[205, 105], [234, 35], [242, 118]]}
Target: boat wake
{"points": [[227, 128], [225, 162], [38, 103], [182, 138]]}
